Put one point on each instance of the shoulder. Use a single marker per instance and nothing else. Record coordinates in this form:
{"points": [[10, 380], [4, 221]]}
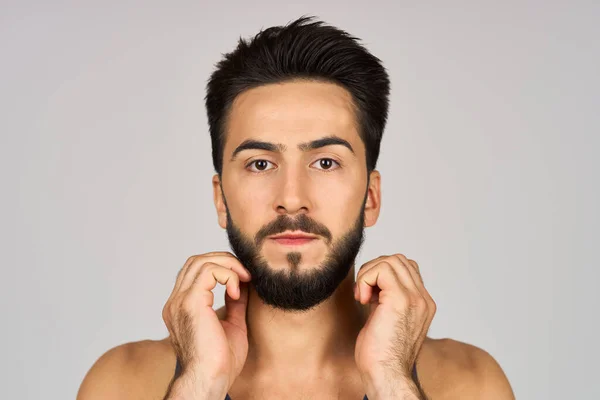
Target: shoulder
{"points": [[461, 370], [130, 371]]}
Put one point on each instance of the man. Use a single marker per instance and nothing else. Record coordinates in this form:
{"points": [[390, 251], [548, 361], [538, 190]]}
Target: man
{"points": [[296, 119]]}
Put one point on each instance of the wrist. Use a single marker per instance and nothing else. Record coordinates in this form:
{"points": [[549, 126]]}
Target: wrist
{"points": [[188, 388], [387, 388]]}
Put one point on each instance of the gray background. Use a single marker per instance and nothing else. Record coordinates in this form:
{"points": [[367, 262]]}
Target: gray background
{"points": [[490, 179]]}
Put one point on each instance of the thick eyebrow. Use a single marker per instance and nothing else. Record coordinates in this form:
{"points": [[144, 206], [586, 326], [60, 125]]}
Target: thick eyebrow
{"points": [[280, 148], [326, 141], [258, 145]]}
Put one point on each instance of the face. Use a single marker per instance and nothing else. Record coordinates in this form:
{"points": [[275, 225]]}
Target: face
{"points": [[294, 194]]}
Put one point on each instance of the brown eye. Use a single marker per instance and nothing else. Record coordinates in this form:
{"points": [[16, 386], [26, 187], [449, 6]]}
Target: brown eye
{"points": [[327, 164], [259, 165]]}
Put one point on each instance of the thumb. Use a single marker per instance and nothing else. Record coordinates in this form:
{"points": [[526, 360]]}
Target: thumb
{"points": [[236, 309]]}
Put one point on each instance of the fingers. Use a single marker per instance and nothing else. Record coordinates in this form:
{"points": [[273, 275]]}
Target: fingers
{"points": [[409, 292], [183, 270], [207, 277], [379, 277], [199, 275], [368, 278], [229, 262], [363, 269], [236, 309], [180, 276], [413, 268]]}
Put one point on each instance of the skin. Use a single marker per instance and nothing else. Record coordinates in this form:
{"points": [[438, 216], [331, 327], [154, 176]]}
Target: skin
{"points": [[298, 113], [312, 354]]}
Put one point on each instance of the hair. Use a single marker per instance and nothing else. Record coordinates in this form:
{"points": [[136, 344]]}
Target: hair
{"points": [[302, 50]]}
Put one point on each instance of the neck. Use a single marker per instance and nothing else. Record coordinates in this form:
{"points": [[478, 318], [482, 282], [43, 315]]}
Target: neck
{"points": [[316, 340]]}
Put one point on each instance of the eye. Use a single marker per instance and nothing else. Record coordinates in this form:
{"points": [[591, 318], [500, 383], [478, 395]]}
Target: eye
{"points": [[259, 165], [326, 164]]}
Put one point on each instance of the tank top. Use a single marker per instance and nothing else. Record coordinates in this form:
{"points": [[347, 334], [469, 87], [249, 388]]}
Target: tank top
{"points": [[414, 376]]}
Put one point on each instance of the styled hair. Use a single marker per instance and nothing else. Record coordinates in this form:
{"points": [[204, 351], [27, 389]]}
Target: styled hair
{"points": [[303, 49]]}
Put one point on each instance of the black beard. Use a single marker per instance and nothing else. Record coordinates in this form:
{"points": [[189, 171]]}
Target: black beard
{"points": [[292, 290]]}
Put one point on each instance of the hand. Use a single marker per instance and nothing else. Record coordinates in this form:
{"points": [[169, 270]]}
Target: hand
{"points": [[211, 352], [400, 313]]}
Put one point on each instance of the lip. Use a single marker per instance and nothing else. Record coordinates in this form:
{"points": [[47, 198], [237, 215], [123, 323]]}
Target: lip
{"points": [[293, 239], [293, 236]]}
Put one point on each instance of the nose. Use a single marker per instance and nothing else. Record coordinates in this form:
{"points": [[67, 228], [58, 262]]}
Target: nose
{"points": [[293, 195]]}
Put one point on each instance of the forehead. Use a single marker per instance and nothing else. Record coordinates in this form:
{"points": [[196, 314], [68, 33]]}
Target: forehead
{"points": [[293, 112]]}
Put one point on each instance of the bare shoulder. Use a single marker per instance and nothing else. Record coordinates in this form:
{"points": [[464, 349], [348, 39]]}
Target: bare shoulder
{"points": [[458, 370], [135, 370]]}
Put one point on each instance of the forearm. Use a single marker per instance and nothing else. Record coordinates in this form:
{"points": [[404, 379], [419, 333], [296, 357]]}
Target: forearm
{"points": [[183, 388], [396, 389]]}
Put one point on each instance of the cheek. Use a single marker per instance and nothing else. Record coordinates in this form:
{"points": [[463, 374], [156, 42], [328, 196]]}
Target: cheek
{"points": [[248, 206], [339, 206]]}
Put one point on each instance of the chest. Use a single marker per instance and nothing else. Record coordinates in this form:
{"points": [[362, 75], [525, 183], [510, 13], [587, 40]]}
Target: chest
{"points": [[346, 388], [301, 394]]}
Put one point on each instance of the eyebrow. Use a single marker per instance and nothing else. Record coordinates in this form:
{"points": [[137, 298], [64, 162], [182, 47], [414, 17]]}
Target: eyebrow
{"points": [[251, 144]]}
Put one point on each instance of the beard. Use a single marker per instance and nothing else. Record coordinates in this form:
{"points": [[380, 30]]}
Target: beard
{"points": [[292, 289]]}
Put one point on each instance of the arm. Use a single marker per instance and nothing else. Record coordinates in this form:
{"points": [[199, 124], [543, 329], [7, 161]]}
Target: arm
{"points": [[135, 370], [107, 379], [492, 383], [486, 380], [459, 371]]}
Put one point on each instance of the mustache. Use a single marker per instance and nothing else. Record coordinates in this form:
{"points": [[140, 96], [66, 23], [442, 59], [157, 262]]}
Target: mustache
{"points": [[302, 223]]}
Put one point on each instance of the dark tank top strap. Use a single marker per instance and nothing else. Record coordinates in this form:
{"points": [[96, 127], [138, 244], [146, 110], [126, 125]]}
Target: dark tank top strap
{"points": [[177, 369], [414, 375]]}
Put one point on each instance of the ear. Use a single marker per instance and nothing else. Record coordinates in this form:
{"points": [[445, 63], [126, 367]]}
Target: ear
{"points": [[373, 204], [219, 201]]}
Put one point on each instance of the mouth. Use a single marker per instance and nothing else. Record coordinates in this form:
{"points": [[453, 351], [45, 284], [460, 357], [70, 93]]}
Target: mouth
{"points": [[293, 239]]}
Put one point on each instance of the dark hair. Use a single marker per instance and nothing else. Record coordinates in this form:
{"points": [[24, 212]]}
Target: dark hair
{"points": [[303, 49]]}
